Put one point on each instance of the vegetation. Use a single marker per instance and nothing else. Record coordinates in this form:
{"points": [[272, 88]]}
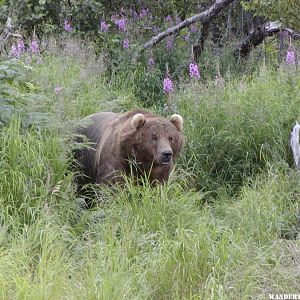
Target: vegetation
{"points": [[226, 225], [142, 242]]}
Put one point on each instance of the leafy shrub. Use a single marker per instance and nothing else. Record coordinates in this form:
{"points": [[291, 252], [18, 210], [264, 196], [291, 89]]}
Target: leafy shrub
{"points": [[18, 96]]}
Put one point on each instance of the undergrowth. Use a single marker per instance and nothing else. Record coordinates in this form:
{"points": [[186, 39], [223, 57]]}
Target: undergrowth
{"points": [[224, 227]]}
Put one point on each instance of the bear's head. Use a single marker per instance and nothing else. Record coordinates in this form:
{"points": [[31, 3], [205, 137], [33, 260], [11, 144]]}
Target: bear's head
{"points": [[153, 140]]}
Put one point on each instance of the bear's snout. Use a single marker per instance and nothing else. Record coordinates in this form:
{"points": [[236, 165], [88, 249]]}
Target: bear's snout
{"points": [[166, 157]]}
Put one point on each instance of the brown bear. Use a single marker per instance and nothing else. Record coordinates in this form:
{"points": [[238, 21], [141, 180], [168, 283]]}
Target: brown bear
{"points": [[150, 141]]}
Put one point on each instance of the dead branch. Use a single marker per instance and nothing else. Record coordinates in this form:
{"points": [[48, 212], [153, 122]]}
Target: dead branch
{"points": [[203, 17], [257, 35], [7, 33]]}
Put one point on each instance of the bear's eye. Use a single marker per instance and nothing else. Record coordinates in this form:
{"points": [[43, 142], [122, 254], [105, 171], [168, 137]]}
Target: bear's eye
{"points": [[171, 139], [154, 138]]}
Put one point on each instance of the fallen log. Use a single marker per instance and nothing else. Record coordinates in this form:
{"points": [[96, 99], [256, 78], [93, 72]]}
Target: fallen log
{"points": [[257, 35]]}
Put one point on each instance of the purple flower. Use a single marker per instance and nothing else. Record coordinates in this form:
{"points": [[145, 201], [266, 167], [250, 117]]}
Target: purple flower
{"points": [[103, 26], [193, 28], [67, 26], [143, 12], [194, 71], [34, 46], [185, 37], [167, 85], [169, 43], [177, 20], [125, 43], [121, 23], [57, 89], [169, 19], [290, 57], [151, 61], [20, 45], [14, 52]]}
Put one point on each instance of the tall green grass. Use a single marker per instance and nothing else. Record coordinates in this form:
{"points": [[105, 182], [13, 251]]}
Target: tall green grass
{"points": [[166, 242], [235, 132]]}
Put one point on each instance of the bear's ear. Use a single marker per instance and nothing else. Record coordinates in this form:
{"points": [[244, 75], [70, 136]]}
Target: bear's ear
{"points": [[177, 121], [138, 121]]}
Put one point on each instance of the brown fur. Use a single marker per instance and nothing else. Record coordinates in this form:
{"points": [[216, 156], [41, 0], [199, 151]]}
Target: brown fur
{"points": [[118, 138]]}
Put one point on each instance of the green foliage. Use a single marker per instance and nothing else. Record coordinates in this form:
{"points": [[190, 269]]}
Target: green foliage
{"points": [[32, 169], [48, 15], [33, 14], [286, 11], [154, 243], [142, 242], [72, 66], [236, 132], [18, 96]]}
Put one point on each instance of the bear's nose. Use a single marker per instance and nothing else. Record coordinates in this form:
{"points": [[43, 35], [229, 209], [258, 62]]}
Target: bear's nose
{"points": [[167, 154]]}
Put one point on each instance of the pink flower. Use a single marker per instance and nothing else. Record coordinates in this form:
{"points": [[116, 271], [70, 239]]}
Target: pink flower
{"points": [[34, 46], [143, 12], [125, 44], [57, 90], [103, 26], [121, 23], [290, 57], [167, 85], [14, 52], [194, 71], [169, 19], [20, 45], [67, 26], [169, 43], [193, 28]]}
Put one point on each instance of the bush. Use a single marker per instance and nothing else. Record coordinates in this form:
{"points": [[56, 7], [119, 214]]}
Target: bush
{"points": [[18, 96]]}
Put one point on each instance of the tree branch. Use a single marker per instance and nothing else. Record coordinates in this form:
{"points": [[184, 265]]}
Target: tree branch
{"points": [[7, 33], [203, 17], [258, 34]]}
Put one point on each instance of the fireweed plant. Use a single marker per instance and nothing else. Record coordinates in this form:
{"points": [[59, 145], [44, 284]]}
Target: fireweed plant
{"points": [[194, 71], [218, 230], [17, 49], [290, 57], [67, 25], [120, 34], [164, 242]]}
